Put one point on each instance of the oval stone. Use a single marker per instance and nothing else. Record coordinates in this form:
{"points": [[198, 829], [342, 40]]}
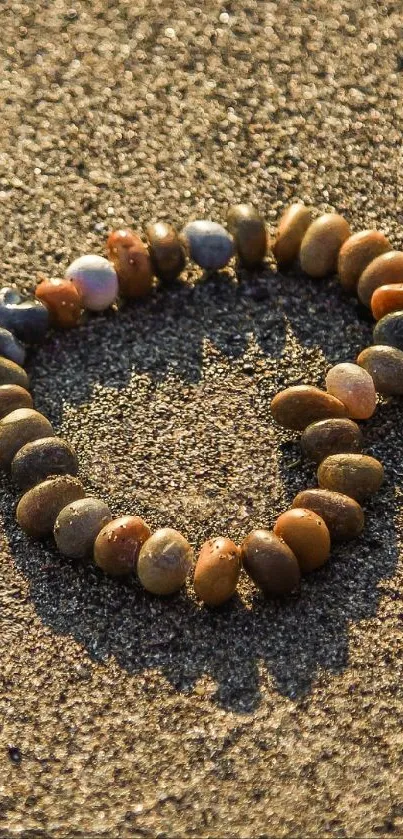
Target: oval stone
{"points": [[298, 406], [96, 281], [78, 524], [331, 436], [356, 253], [249, 231], [12, 374], [166, 251], [165, 561], [343, 516], [209, 244], [307, 535], [321, 244], [270, 563], [354, 387], [38, 509], [118, 545], [42, 458], [387, 299], [62, 299], [18, 428], [291, 230], [356, 475], [13, 397], [217, 571], [386, 269], [385, 366], [29, 319], [132, 263], [11, 348], [389, 330]]}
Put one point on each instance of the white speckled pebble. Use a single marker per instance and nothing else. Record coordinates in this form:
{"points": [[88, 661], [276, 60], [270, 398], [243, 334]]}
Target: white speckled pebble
{"points": [[96, 279], [209, 244]]}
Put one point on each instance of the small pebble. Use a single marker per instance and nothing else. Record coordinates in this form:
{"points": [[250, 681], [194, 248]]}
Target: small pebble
{"points": [[354, 387], [132, 263], [39, 508], [11, 348], [63, 300], [356, 475], [28, 320], [78, 524], [249, 231], [385, 366], [166, 251], [389, 330], [343, 516], [164, 562], [96, 281], [386, 269], [13, 397], [321, 245], [42, 458], [387, 299], [270, 563], [356, 253], [12, 374], [217, 571], [208, 243], [331, 436], [298, 406], [14, 754], [307, 535], [291, 230], [18, 428], [118, 545]]}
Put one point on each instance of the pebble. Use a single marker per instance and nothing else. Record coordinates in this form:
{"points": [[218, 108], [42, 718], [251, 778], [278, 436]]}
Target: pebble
{"points": [[132, 263], [164, 562], [291, 230], [387, 299], [63, 300], [96, 281], [321, 244], [307, 535], [208, 244], [356, 253], [300, 405], [18, 428], [249, 231], [11, 348], [13, 397], [78, 524], [12, 374], [356, 475], [331, 436], [386, 269], [354, 387], [385, 366], [342, 515], [166, 251], [28, 320], [41, 459], [118, 545], [270, 563], [389, 330], [217, 571], [39, 508]]}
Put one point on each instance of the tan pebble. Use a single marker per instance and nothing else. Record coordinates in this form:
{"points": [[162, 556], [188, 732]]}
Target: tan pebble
{"points": [[13, 397], [38, 508], [298, 406], [249, 231], [118, 545], [343, 516], [354, 387], [12, 374], [385, 366], [167, 254], [386, 269], [356, 475], [291, 230], [331, 436], [20, 427], [217, 571], [165, 561], [132, 263], [356, 253], [307, 535], [321, 244], [270, 563]]}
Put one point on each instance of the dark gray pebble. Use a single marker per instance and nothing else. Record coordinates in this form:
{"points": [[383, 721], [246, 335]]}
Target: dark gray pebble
{"points": [[389, 330], [11, 348], [42, 458], [28, 320]]}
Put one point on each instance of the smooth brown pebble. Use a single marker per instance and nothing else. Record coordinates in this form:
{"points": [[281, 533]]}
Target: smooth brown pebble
{"points": [[307, 535], [132, 263], [291, 230], [18, 428], [43, 458], [167, 254], [387, 299], [331, 436], [354, 387], [298, 406], [385, 366], [12, 374], [78, 524], [217, 571], [386, 269], [39, 508], [356, 475], [118, 545], [249, 231], [62, 299], [342, 515], [270, 563], [13, 397], [356, 253], [321, 245], [164, 562]]}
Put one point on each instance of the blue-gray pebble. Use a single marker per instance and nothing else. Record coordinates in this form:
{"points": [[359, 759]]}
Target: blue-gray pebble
{"points": [[389, 330], [11, 348], [28, 320], [209, 243]]}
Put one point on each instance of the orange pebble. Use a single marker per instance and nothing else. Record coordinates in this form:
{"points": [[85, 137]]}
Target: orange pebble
{"points": [[132, 263], [387, 299], [62, 299], [307, 535]]}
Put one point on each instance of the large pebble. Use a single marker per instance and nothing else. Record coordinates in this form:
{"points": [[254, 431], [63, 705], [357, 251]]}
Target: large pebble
{"points": [[249, 231], [343, 516], [321, 244], [354, 387], [307, 535], [166, 251], [356, 253], [78, 524], [291, 230], [385, 366], [63, 300], [29, 319], [270, 563], [389, 330], [298, 406], [39, 508], [387, 299], [356, 475], [96, 281], [165, 561], [42, 458], [217, 571], [209, 244], [11, 348], [12, 374], [118, 545], [386, 269], [13, 397], [18, 428], [132, 263], [331, 436]]}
